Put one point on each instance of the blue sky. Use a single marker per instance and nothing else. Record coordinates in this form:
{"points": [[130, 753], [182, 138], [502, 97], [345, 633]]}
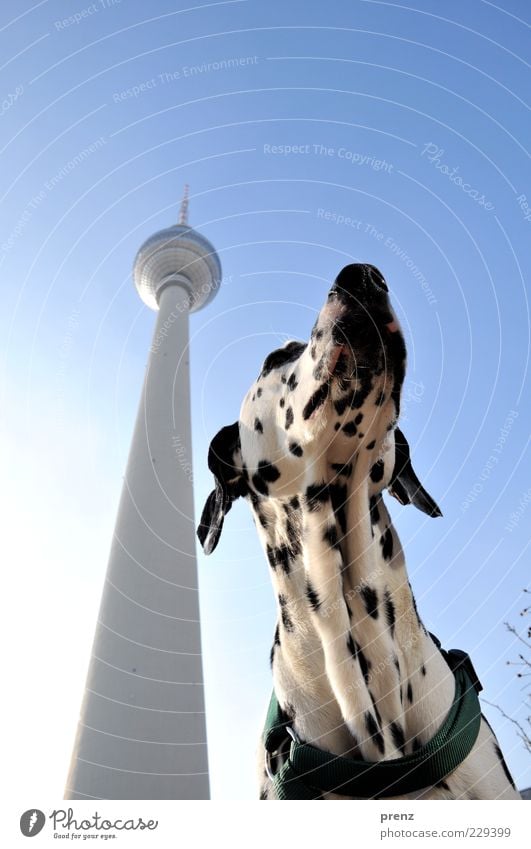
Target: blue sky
{"points": [[312, 135]]}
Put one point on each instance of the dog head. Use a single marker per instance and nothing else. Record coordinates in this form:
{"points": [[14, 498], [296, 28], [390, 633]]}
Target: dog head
{"points": [[324, 404]]}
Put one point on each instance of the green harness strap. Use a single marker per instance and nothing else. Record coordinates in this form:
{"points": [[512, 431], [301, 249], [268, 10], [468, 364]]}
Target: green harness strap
{"points": [[309, 772]]}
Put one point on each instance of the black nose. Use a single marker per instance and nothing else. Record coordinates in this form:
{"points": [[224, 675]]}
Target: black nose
{"points": [[361, 280]]}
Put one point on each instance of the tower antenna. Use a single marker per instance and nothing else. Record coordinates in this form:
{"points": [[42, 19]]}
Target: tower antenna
{"points": [[183, 211]]}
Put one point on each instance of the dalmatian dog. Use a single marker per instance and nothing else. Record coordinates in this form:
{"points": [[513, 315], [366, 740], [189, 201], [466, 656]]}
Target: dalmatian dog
{"points": [[315, 446]]}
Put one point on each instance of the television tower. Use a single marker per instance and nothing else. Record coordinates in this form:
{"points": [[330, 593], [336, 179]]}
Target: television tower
{"points": [[142, 730]]}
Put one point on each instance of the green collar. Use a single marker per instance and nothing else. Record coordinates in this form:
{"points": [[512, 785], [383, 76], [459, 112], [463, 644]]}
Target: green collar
{"points": [[309, 772]]}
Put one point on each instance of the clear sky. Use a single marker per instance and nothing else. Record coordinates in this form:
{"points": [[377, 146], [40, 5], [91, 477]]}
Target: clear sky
{"points": [[312, 135]]}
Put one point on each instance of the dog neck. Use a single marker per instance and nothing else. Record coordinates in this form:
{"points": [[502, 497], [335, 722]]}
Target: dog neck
{"points": [[353, 665]]}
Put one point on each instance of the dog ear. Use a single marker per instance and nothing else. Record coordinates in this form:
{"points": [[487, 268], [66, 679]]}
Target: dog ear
{"points": [[404, 484], [229, 485]]}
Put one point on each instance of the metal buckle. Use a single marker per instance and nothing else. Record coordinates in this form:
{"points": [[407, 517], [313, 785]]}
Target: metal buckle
{"points": [[269, 755], [293, 734]]}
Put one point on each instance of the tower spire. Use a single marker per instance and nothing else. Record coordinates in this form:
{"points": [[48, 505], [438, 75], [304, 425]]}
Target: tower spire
{"points": [[183, 211]]}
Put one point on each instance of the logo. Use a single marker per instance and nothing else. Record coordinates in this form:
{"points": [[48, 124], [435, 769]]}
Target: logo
{"points": [[31, 822]]}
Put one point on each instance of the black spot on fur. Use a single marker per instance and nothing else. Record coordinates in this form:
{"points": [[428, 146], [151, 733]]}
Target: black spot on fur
{"points": [[371, 445], [338, 493], [276, 642], [370, 600], [268, 471], [313, 352], [397, 733], [258, 426], [373, 509], [376, 711], [397, 665], [504, 765], [317, 494], [289, 418], [414, 601], [364, 665], [317, 400], [352, 646], [358, 654], [350, 429], [386, 541], [442, 784], [337, 425], [294, 503], [263, 794], [281, 403], [312, 597], [292, 382], [344, 469], [286, 620], [282, 356], [265, 473], [360, 394], [409, 692], [390, 611], [293, 536], [377, 471], [359, 418], [279, 556], [374, 732], [380, 399], [330, 536], [319, 369], [260, 485], [258, 393], [423, 669], [343, 403]]}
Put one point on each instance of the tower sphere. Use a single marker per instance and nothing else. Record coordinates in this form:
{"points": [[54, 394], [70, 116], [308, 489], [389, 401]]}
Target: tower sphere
{"points": [[177, 255]]}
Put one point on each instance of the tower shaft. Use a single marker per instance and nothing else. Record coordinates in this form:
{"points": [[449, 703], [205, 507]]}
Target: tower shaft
{"points": [[142, 730]]}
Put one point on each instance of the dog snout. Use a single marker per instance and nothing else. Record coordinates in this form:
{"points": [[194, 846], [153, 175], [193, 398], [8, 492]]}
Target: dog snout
{"points": [[362, 281]]}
